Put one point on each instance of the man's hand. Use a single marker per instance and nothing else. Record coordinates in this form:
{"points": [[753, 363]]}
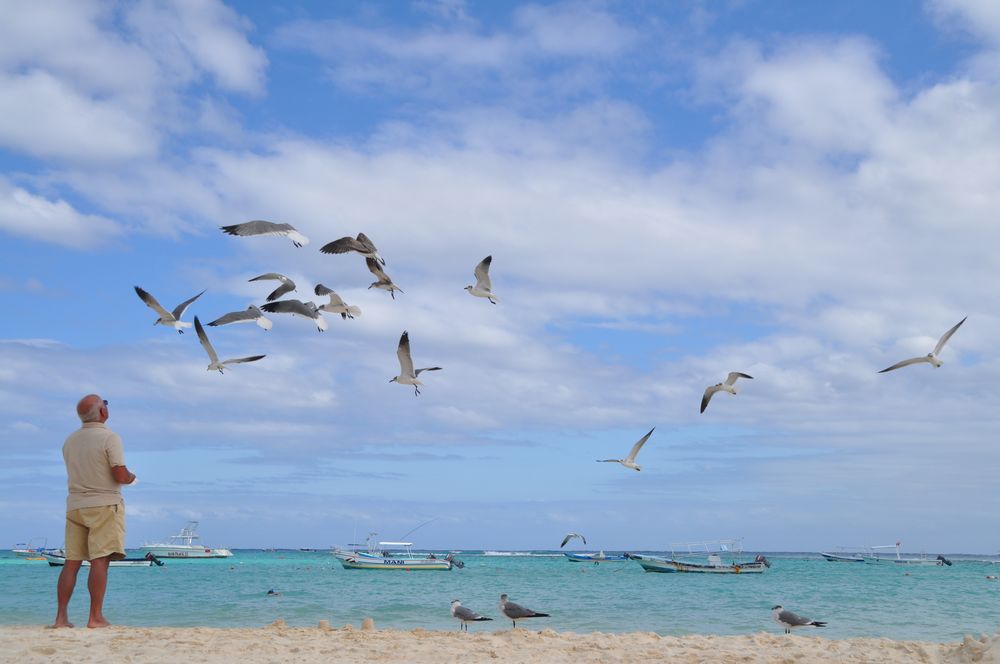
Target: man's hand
{"points": [[122, 475]]}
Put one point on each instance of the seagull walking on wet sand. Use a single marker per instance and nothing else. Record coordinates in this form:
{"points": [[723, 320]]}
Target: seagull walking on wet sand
{"points": [[297, 308], [728, 386], [570, 536], [517, 612], [260, 227], [629, 461], [287, 285], [465, 615], [168, 318], [789, 620], [215, 364], [251, 315], [360, 244], [483, 287], [383, 280], [931, 357], [336, 305], [407, 375]]}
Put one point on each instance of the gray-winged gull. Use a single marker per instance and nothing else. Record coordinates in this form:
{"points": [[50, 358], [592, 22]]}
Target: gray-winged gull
{"points": [[297, 308], [931, 357], [407, 375], [465, 615], [215, 364], [260, 227], [789, 620], [249, 315], [517, 612], [483, 287], [728, 386], [168, 318], [629, 461]]}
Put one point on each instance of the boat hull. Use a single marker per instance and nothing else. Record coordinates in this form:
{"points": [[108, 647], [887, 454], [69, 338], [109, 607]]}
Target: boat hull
{"points": [[593, 558], [654, 564], [59, 561], [835, 558], [352, 560]]}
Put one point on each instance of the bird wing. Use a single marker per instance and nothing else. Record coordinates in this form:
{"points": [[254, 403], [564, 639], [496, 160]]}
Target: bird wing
{"points": [[483, 273], [235, 317], [287, 286], [258, 227], [947, 335], [288, 307], [463, 613], [240, 360], [790, 618], [153, 304], [514, 611], [418, 371], [366, 244], [570, 536], [377, 270], [342, 246], [403, 353], [609, 460], [205, 343], [322, 290], [905, 363], [709, 391], [270, 275], [734, 376], [179, 309], [638, 446], [335, 300]]}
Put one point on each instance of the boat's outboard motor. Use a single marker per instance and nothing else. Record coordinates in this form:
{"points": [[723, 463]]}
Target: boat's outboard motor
{"points": [[156, 561], [454, 563], [944, 561], [761, 559]]}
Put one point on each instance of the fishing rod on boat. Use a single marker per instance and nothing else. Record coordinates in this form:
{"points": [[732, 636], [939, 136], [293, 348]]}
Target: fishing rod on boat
{"points": [[418, 528]]}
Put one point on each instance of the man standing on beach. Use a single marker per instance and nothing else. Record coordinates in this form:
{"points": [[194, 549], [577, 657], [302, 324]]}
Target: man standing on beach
{"points": [[95, 511]]}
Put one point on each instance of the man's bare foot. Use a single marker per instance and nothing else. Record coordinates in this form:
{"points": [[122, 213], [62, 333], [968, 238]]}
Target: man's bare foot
{"points": [[101, 622], [60, 623]]}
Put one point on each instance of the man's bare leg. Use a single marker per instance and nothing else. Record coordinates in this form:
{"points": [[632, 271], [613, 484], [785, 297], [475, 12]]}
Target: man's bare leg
{"points": [[97, 584], [64, 591]]}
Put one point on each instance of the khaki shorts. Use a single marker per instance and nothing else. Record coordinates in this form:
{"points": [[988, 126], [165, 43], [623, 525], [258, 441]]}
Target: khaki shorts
{"points": [[95, 532]]}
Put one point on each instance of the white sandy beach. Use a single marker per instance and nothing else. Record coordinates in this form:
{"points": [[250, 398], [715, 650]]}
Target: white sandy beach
{"points": [[278, 643]]}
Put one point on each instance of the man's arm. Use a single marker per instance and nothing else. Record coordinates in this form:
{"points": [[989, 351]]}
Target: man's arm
{"points": [[122, 475]]}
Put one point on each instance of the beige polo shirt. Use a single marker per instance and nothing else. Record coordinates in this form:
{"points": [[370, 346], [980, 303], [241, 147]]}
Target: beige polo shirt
{"points": [[90, 452]]}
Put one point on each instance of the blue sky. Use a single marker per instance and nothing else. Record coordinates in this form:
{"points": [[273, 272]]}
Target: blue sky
{"points": [[804, 192]]}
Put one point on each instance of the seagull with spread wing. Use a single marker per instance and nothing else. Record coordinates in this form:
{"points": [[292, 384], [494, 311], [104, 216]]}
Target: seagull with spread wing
{"points": [[931, 357], [483, 287], [215, 364], [250, 315], [287, 285], [360, 244], [336, 305], [297, 308], [168, 318], [629, 461], [383, 280], [260, 227], [407, 375], [728, 386], [570, 536]]}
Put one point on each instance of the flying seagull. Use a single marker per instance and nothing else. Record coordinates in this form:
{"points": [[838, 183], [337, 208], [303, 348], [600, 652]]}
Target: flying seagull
{"points": [[251, 315], [336, 305], [483, 287], [629, 461], [407, 376], [465, 615], [570, 536], [259, 227], [516, 612], [287, 285], [728, 386], [788, 620], [384, 282], [361, 244], [931, 357], [215, 365], [168, 318], [297, 308]]}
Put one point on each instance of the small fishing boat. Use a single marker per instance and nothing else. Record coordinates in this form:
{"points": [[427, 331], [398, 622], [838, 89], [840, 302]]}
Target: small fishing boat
{"points": [[681, 555], [596, 558], [148, 561], [843, 557], [182, 545], [392, 555], [922, 559]]}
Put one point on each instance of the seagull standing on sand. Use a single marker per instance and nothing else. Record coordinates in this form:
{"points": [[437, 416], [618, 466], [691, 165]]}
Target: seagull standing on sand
{"points": [[570, 536], [789, 620], [517, 612], [629, 461], [251, 315], [361, 244], [215, 365], [728, 386], [168, 318], [287, 285], [297, 308], [252, 228], [931, 357], [407, 375], [383, 280], [465, 615], [336, 305], [483, 287]]}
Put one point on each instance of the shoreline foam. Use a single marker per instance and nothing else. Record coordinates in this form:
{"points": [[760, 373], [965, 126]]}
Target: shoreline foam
{"points": [[304, 645]]}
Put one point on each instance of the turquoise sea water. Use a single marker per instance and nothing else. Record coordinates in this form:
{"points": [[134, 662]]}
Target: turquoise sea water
{"points": [[929, 604]]}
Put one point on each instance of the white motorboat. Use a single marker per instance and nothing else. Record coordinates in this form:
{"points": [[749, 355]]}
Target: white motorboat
{"points": [[148, 561], [392, 555], [843, 557], [680, 559], [182, 545]]}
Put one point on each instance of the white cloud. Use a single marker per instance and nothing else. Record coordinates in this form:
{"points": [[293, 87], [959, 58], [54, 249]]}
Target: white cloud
{"points": [[28, 215]]}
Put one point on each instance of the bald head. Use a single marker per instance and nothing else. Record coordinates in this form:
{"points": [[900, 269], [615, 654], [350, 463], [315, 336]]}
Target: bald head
{"points": [[91, 409]]}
